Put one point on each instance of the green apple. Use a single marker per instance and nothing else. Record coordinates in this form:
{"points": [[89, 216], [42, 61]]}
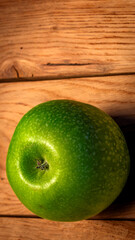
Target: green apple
{"points": [[67, 160]]}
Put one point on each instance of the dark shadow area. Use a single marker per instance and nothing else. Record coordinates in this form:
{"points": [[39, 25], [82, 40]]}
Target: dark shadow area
{"points": [[122, 206], [128, 128]]}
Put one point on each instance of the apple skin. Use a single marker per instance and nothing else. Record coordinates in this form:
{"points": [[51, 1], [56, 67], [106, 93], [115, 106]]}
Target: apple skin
{"points": [[86, 157]]}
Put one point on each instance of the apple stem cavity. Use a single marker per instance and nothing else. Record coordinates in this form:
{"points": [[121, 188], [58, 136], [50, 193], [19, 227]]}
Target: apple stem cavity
{"points": [[42, 165]]}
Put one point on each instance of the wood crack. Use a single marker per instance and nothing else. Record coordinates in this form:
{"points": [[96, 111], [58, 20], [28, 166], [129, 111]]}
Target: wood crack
{"points": [[17, 73], [68, 64]]}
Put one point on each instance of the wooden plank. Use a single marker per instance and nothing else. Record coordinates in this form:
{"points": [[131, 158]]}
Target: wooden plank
{"points": [[115, 95], [54, 39], [31, 229]]}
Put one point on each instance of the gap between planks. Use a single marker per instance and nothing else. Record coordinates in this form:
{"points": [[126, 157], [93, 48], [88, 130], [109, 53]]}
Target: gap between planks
{"points": [[90, 219], [43, 78]]}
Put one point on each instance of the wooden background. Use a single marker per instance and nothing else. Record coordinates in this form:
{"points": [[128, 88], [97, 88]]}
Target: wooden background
{"points": [[78, 49]]}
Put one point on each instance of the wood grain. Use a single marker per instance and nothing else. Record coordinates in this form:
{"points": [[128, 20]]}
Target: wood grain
{"points": [[115, 95], [55, 39], [32, 229]]}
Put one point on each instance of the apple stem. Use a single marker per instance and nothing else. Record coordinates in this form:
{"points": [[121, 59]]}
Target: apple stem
{"points": [[42, 165]]}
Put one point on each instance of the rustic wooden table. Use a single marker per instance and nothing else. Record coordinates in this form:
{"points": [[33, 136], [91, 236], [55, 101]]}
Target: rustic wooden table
{"points": [[77, 49]]}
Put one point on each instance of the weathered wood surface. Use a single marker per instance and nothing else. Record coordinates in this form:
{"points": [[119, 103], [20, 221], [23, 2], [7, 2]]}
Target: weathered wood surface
{"points": [[54, 39], [33, 229], [115, 95]]}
